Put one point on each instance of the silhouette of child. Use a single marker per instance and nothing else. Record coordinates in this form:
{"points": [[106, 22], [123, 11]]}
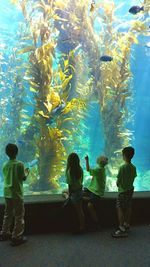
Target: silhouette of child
{"points": [[74, 179], [14, 175], [125, 180], [96, 188]]}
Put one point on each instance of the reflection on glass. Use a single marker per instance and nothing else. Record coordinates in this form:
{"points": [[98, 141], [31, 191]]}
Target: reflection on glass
{"points": [[74, 76]]}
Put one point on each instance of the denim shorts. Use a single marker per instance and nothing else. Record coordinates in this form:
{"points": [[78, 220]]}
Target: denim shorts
{"points": [[76, 196], [124, 200], [93, 198]]}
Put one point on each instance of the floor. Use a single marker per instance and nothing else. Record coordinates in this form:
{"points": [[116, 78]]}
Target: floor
{"points": [[88, 250]]}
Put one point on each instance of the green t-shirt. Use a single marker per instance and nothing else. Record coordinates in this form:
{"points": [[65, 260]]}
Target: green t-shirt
{"points": [[74, 184], [126, 176], [98, 182], [13, 172]]}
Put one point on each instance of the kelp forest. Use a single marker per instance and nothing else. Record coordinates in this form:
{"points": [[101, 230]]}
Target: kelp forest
{"points": [[66, 58]]}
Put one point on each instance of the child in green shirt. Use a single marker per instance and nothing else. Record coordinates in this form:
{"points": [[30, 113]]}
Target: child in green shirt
{"points": [[96, 188], [74, 179], [14, 175], [125, 180]]}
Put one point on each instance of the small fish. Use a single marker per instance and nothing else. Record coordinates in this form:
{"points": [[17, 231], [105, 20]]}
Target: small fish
{"points": [[27, 78], [33, 163], [106, 58], [21, 142], [14, 1], [2, 83], [136, 9], [3, 46], [1, 57], [55, 113], [58, 109], [3, 120], [92, 6], [77, 49], [65, 40], [148, 45]]}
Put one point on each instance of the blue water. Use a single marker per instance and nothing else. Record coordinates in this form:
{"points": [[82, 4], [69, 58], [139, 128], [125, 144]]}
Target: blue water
{"points": [[85, 131]]}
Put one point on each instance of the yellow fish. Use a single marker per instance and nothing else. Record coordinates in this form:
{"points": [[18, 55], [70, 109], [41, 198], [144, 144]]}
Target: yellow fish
{"points": [[92, 7], [14, 1]]}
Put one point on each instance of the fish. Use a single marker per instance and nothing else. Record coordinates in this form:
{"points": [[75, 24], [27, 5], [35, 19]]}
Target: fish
{"points": [[106, 58], [136, 9], [92, 6], [3, 121], [14, 1], [55, 113], [33, 163], [77, 49], [27, 78], [58, 109], [3, 46], [1, 57], [65, 40], [21, 142], [148, 45]]}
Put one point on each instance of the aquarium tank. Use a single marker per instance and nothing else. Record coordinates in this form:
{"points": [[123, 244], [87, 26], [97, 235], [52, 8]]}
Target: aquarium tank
{"points": [[74, 76]]}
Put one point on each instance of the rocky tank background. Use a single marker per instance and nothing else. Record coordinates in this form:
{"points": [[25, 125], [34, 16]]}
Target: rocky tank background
{"points": [[74, 76]]}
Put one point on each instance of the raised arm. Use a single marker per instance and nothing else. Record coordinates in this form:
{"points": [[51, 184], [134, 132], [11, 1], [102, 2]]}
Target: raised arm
{"points": [[87, 163], [119, 176], [23, 173]]}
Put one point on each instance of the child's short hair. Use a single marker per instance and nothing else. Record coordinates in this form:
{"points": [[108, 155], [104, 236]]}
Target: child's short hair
{"points": [[11, 150], [128, 152], [102, 160]]}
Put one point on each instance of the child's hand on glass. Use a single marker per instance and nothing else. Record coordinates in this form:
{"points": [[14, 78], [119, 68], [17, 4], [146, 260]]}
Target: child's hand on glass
{"points": [[27, 171], [86, 157]]}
